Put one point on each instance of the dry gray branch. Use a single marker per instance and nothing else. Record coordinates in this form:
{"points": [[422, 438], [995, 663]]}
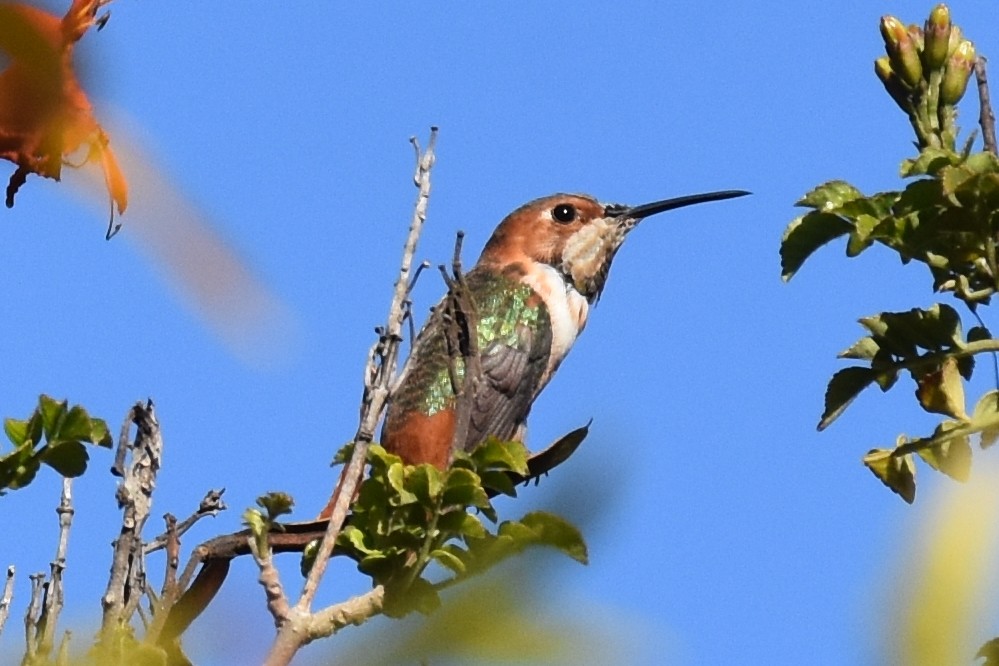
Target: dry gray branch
{"points": [[211, 505], [7, 598], [986, 118], [32, 618], [127, 583], [379, 376], [54, 595]]}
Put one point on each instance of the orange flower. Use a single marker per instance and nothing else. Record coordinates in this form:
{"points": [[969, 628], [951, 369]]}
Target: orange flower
{"points": [[44, 114]]}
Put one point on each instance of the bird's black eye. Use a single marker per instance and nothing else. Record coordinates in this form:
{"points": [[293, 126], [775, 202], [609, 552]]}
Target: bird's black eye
{"points": [[564, 213]]}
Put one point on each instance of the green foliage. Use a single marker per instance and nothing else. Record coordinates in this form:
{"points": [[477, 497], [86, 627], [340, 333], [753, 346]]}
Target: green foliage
{"points": [[274, 505], [54, 435], [407, 516], [945, 218]]}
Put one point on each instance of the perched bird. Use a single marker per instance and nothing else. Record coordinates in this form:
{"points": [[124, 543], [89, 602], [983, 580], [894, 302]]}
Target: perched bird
{"points": [[529, 295]]}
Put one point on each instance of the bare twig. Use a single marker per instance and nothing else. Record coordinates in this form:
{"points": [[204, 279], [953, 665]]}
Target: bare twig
{"points": [[461, 334], [211, 505], [54, 595], [986, 118], [8, 596], [173, 556], [171, 591], [378, 377], [32, 617], [127, 583]]}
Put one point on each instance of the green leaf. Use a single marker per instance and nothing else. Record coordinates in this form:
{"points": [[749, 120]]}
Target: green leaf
{"points": [[351, 535], [982, 162], [424, 481], [844, 386], [99, 433], [985, 418], [936, 328], [952, 456], [342, 456], [829, 195], [395, 475], [463, 524], [977, 333], [864, 349], [18, 468], [555, 531], [449, 560], [420, 596], [929, 162], [67, 458], [76, 425], [464, 488], [805, 235], [35, 429], [309, 557], [255, 520], [896, 472], [497, 454], [499, 482], [953, 177], [52, 413], [276, 504], [940, 390], [860, 235], [16, 430]]}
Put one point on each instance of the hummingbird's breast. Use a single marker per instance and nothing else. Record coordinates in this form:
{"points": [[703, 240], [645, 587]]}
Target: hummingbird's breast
{"points": [[567, 309]]}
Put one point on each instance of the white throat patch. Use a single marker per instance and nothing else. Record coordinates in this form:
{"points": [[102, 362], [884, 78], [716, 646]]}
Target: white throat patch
{"points": [[567, 309]]}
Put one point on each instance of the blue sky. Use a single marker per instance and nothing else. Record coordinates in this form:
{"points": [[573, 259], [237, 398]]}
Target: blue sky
{"points": [[722, 527]]}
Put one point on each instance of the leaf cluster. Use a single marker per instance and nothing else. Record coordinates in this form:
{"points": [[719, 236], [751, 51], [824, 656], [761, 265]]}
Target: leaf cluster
{"points": [[407, 516], [930, 346], [946, 218], [55, 435]]}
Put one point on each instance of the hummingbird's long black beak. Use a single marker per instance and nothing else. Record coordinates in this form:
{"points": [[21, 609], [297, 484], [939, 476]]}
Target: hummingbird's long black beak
{"points": [[649, 209]]}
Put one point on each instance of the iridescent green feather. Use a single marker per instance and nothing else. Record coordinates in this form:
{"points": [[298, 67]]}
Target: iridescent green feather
{"points": [[503, 309]]}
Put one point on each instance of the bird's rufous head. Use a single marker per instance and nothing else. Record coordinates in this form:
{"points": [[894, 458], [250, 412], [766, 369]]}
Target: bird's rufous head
{"points": [[575, 234]]}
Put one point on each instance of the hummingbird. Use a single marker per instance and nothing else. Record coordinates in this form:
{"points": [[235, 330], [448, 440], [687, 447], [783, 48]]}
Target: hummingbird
{"points": [[531, 291]]}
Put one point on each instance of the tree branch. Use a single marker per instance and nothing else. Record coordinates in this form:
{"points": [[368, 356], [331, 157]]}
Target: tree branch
{"points": [[8, 596], [211, 505], [986, 118], [54, 593], [127, 582], [378, 377]]}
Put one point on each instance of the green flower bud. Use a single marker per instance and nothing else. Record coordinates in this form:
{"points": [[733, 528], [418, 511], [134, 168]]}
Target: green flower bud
{"points": [[957, 73], [956, 37], [937, 37], [901, 51], [892, 31], [916, 34], [898, 92]]}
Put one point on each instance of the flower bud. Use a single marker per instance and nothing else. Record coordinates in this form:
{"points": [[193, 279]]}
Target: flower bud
{"points": [[901, 51], [957, 72], [956, 37], [937, 37], [898, 92], [916, 34]]}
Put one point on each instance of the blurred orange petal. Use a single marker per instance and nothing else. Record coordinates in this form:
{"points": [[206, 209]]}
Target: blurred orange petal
{"points": [[44, 113]]}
